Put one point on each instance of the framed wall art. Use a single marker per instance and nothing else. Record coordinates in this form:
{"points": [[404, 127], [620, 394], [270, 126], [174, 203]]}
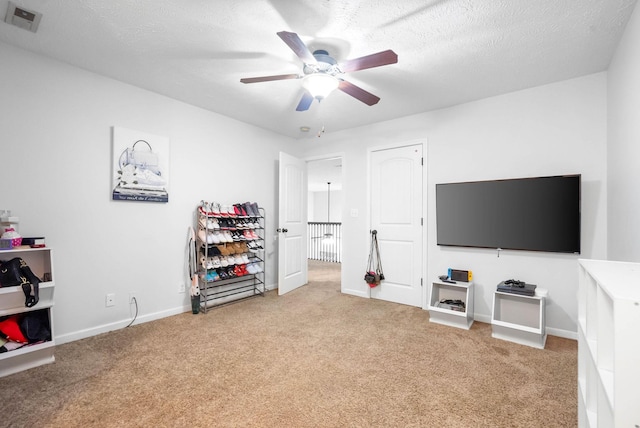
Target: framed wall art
{"points": [[140, 166]]}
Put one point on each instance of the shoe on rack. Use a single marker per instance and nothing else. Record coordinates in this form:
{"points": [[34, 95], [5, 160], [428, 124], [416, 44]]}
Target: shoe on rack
{"points": [[247, 209], [258, 267], [255, 209], [201, 208], [245, 258], [223, 261], [212, 250], [251, 269], [223, 274], [243, 268], [238, 270], [208, 223], [214, 209], [203, 222]]}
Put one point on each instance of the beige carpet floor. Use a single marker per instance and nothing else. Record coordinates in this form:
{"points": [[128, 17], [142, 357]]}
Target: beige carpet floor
{"points": [[311, 358]]}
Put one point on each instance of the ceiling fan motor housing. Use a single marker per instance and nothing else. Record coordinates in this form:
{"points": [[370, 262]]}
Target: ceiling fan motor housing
{"points": [[325, 64]]}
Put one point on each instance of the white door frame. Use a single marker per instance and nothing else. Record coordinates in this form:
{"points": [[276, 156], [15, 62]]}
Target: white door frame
{"points": [[342, 156], [425, 193]]}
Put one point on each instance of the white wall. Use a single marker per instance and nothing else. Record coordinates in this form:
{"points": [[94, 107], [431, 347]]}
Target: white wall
{"points": [[55, 156], [624, 146], [553, 129]]}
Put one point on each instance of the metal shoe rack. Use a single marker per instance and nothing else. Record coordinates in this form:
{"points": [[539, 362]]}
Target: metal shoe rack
{"points": [[215, 289]]}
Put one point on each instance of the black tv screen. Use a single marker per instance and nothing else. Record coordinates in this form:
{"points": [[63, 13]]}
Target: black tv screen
{"points": [[536, 214]]}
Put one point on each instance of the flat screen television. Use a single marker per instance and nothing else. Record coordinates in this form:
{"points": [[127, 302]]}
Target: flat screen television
{"points": [[535, 214]]}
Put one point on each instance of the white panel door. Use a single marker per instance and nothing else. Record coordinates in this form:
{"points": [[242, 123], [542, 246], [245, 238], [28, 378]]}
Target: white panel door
{"points": [[396, 213], [292, 224]]}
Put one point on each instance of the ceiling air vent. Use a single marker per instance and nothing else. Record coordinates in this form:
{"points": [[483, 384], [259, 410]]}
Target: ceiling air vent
{"points": [[22, 18]]}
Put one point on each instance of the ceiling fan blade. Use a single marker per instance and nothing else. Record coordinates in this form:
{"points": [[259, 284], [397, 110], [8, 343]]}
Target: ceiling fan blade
{"points": [[269, 78], [297, 46], [358, 93], [369, 61], [305, 102]]}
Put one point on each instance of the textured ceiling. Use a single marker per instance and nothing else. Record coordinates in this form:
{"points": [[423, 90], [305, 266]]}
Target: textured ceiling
{"points": [[449, 51]]}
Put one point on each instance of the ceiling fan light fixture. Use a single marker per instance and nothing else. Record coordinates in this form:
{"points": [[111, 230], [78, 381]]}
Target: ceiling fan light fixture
{"points": [[320, 85]]}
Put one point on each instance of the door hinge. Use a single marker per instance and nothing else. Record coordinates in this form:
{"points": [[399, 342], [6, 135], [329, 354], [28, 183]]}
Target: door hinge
{"points": [[422, 161], [421, 282], [421, 221]]}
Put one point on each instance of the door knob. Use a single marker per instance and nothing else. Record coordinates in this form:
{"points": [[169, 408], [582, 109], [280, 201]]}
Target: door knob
{"points": [[281, 230]]}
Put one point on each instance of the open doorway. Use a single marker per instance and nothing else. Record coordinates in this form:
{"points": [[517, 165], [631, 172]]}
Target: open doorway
{"points": [[324, 223]]}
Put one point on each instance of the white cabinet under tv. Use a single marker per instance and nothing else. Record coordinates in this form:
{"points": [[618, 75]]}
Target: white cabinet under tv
{"points": [[462, 318], [608, 344], [518, 318]]}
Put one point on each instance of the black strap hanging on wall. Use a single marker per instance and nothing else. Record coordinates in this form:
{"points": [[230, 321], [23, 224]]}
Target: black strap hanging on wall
{"points": [[374, 273]]}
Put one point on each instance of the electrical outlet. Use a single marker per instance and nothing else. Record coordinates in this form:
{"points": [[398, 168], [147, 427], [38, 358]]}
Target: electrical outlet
{"points": [[181, 288], [110, 300], [133, 298]]}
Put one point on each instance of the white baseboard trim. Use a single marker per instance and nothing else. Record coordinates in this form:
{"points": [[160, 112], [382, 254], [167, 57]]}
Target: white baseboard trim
{"points": [[562, 333], [94, 331]]}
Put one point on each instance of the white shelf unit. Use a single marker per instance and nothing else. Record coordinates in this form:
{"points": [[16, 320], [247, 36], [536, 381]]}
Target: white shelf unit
{"points": [[608, 344], [458, 291], [12, 301], [518, 318]]}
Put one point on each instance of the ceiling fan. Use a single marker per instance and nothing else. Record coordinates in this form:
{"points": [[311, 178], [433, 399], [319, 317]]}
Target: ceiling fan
{"points": [[321, 72]]}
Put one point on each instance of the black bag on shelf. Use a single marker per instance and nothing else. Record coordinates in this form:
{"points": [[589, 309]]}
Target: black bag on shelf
{"points": [[16, 272], [10, 275], [35, 326]]}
